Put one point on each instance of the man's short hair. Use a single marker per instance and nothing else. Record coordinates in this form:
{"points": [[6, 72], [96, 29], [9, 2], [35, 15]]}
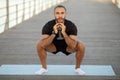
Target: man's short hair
{"points": [[59, 6]]}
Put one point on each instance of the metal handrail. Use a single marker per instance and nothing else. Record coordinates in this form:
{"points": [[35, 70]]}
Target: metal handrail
{"points": [[31, 10], [13, 6]]}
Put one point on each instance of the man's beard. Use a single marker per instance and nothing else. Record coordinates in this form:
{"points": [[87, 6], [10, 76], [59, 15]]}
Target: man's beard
{"points": [[60, 20]]}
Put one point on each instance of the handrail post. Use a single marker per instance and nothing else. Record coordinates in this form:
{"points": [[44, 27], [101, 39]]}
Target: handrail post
{"points": [[7, 16], [16, 13], [23, 10], [29, 9], [34, 11]]}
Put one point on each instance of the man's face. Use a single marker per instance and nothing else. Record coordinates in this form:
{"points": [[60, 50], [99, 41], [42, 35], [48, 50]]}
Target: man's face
{"points": [[60, 14]]}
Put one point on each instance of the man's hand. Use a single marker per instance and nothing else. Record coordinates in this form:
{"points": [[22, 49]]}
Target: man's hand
{"points": [[63, 27], [55, 28], [57, 25]]}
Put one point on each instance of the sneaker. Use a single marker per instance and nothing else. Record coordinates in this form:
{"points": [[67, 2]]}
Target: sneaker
{"points": [[41, 71], [79, 71]]}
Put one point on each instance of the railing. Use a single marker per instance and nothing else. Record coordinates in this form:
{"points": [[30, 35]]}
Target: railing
{"points": [[116, 2], [15, 14]]}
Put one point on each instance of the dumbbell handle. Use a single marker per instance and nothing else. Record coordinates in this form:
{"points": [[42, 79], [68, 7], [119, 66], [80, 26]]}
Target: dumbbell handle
{"points": [[60, 34]]}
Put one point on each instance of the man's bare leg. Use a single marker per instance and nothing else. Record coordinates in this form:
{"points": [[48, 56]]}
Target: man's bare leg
{"points": [[42, 47], [80, 49], [79, 54], [42, 53]]}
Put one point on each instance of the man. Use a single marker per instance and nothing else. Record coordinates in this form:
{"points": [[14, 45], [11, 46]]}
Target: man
{"points": [[51, 43]]}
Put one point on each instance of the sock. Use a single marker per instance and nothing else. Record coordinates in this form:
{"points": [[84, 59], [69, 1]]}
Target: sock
{"points": [[41, 71], [79, 71]]}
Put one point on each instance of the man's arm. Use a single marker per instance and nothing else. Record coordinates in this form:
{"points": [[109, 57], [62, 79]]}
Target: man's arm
{"points": [[47, 39], [74, 37], [71, 40]]}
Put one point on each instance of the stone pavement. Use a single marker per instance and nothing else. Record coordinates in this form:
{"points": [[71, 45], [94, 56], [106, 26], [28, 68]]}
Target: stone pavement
{"points": [[98, 23]]}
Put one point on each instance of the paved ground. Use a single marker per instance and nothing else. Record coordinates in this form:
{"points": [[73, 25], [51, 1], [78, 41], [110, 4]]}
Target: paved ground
{"points": [[98, 24]]}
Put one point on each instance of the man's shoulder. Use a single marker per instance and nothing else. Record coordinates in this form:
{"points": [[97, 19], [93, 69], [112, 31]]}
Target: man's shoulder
{"points": [[51, 21], [69, 22]]}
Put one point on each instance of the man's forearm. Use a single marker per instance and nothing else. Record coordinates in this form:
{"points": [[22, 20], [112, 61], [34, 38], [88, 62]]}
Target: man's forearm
{"points": [[70, 42], [47, 41]]}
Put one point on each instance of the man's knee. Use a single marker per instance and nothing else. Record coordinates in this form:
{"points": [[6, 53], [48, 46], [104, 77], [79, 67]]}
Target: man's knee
{"points": [[73, 47], [80, 50], [39, 46], [80, 46]]}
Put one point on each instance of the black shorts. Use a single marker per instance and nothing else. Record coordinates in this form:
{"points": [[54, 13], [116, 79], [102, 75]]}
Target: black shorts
{"points": [[60, 46], [61, 49]]}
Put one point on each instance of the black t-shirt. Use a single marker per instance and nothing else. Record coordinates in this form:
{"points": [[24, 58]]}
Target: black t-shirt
{"points": [[71, 29]]}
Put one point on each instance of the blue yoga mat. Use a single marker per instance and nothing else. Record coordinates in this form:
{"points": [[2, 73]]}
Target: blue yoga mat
{"points": [[94, 70]]}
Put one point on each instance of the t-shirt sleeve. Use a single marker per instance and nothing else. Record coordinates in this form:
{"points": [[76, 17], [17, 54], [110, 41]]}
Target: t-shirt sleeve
{"points": [[45, 29], [73, 30]]}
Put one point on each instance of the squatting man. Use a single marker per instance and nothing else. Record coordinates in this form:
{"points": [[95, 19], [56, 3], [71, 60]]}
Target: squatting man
{"points": [[68, 45]]}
